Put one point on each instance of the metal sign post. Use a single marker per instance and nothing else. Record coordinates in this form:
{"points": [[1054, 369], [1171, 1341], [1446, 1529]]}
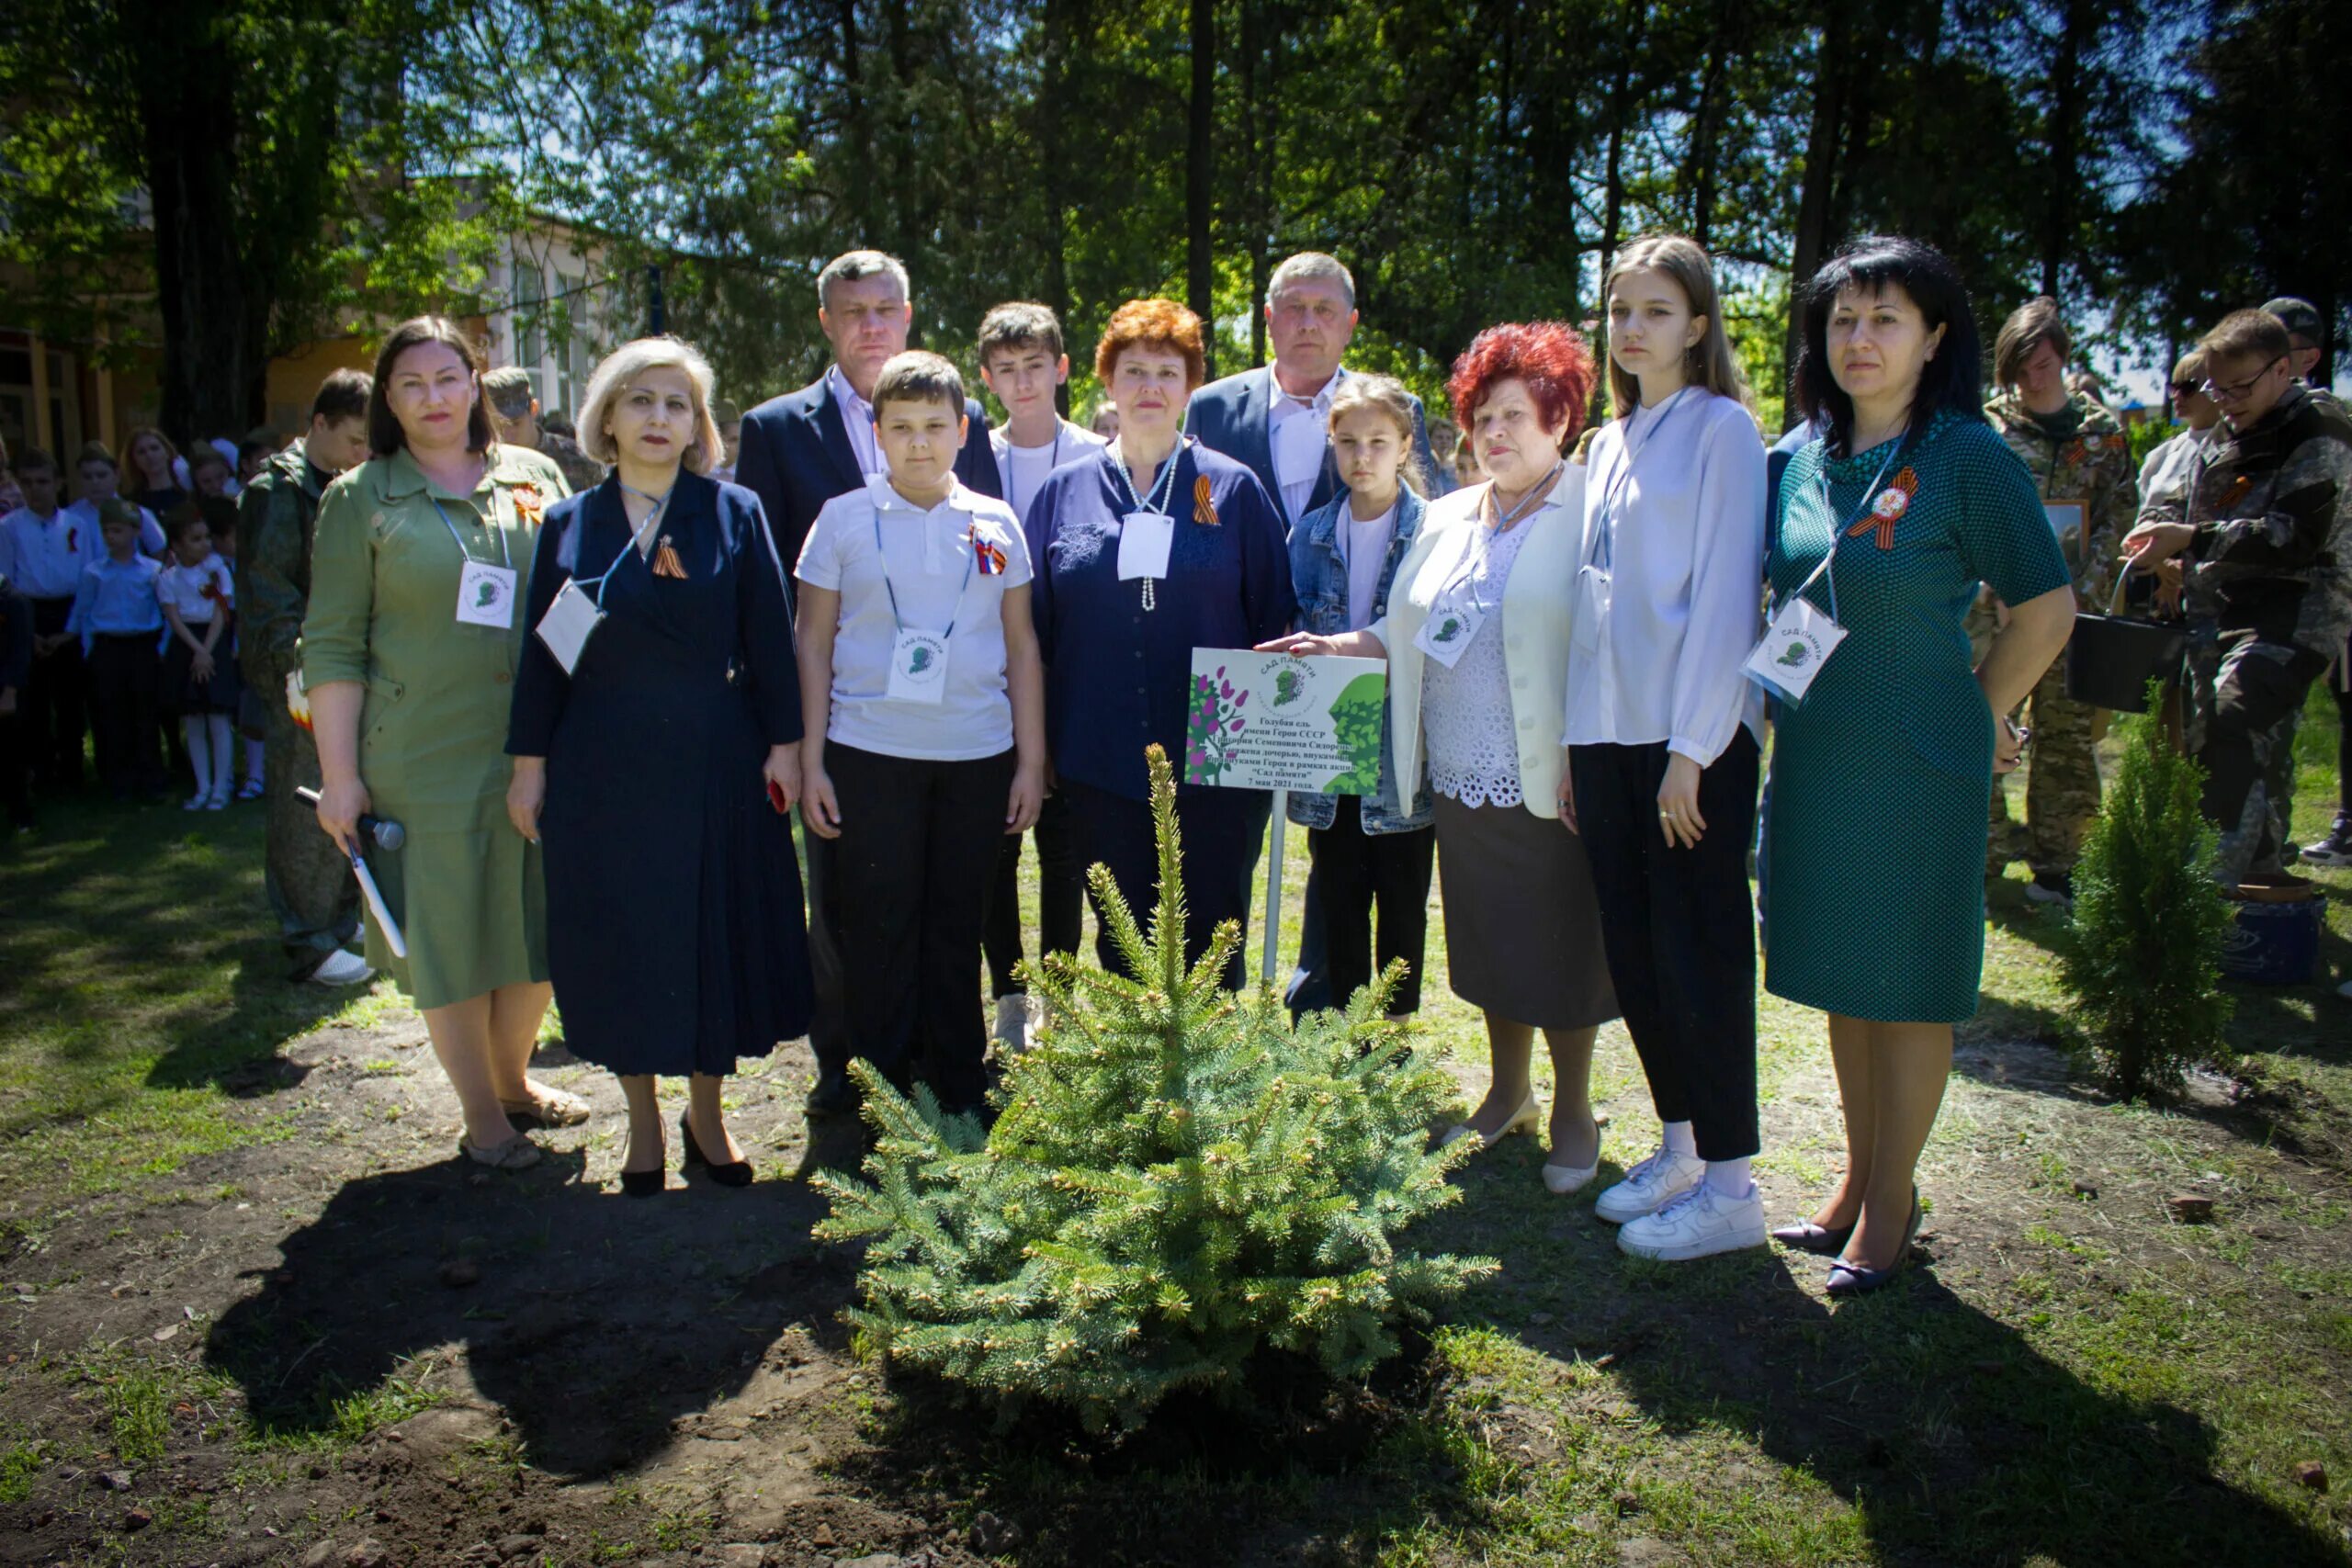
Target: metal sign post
{"points": [[1275, 887]]}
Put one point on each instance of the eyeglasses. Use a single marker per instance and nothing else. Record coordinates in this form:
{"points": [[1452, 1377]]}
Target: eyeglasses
{"points": [[2236, 392]]}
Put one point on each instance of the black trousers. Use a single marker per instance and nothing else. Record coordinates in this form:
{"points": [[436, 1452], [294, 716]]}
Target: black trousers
{"points": [[1355, 872], [1680, 931], [1061, 898], [124, 675], [828, 1038], [55, 702], [2259, 684], [1222, 830], [15, 775], [2343, 689], [916, 858]]}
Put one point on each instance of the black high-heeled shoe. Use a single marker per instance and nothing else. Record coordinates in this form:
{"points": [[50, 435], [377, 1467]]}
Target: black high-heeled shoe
{"points": [[645, 1183], [735, 1173]]}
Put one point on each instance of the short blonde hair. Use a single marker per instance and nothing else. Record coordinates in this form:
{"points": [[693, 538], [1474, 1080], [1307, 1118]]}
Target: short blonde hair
{"points": [[619, 371]]}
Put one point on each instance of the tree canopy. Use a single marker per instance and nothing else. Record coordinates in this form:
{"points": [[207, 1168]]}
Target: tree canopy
{"points": [[294, 166]]}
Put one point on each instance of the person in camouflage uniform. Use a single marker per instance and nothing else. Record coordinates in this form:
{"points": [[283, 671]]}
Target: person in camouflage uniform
{"points": [[309, 882], [2074, 447], [2264, 526], [515, 416]]}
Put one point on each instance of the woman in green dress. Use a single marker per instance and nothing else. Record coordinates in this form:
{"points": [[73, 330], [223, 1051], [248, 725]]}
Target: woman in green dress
{"points": [[409, 653], [1880, 772]]}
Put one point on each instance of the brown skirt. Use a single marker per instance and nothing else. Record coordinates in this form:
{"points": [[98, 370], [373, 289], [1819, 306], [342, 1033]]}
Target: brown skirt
{"points": [[1522, 927]]}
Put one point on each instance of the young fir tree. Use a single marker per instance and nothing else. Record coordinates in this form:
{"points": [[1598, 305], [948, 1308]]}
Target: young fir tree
{"points": [[1176, 1178], [2143, 958]]}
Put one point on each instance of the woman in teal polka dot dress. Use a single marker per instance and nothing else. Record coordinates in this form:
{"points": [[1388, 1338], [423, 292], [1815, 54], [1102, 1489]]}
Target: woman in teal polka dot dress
{"points": [[1880, 775]]}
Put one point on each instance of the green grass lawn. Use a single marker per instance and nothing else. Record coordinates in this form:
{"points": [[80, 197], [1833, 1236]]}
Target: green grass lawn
{"points": [[2074, 1379]]}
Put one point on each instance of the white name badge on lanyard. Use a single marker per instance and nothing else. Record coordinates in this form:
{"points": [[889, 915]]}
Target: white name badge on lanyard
{"points": [[1453, 620], [1796, 645], [486, 595], [568, 624], [1144, 540], [917, 667]]}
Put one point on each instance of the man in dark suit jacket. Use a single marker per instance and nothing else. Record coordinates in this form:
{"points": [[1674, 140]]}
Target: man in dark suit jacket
{"points": [[1310, 318], [800, 451], [1276, 420]]}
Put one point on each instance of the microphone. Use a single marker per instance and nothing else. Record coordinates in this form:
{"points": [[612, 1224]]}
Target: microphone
{"points": [[388, 834]]}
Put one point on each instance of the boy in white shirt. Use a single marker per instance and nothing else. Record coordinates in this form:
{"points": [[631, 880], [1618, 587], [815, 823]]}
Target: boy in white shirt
{"points": [[920, 675], [1023, 361]]}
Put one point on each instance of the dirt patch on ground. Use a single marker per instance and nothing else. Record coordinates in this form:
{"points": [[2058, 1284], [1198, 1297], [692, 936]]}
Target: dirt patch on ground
{"points": [[443, 1366]]}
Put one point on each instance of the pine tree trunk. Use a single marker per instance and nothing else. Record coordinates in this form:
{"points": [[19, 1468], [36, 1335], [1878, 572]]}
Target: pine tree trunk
{"points": [[2065, 137], [215, 377], [1824, 135], [1199, 173]]}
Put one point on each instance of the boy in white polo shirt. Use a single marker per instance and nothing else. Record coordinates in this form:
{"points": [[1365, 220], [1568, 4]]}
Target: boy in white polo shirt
{"points": [[915, 642]]}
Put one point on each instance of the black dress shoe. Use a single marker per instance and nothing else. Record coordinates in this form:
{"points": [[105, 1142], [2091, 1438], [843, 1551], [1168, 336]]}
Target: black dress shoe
{"points": [[1806, 1237], [834, 1095], [645, 1183], [735, 1173], [1848, 1279]]}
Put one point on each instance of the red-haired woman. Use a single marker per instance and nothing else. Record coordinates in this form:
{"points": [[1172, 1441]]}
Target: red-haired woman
{"points": [[1144, 552], [1477, 638]]}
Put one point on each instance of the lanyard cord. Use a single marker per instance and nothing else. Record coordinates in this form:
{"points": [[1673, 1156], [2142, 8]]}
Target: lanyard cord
{"points": [[636, 544], [1473, 554], [1604, 545], [1837, 529], [1163, 491], [1011, 468], [505, 549], [883, 561]]}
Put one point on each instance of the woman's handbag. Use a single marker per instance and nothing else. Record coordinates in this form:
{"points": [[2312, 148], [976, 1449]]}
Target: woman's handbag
{"points": [[2112, 657]]}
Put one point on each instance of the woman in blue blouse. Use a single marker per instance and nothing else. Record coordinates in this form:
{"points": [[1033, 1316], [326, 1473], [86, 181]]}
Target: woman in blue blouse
{"points": [[1119, 614]]}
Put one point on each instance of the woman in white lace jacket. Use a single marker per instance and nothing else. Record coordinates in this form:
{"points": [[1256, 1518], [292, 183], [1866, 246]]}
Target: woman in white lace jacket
{"points": [[1476, 639]]}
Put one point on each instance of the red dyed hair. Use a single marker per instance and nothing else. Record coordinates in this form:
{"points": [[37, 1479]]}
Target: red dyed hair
{"points": [[1160, 324], [1550, 357]]}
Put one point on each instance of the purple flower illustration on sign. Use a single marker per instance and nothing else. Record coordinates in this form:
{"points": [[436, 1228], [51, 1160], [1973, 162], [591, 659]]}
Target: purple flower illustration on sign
{"points": [[1212, 724]]}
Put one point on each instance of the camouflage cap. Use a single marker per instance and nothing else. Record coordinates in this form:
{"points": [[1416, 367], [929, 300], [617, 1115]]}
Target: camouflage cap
{"points": [[118, 510], [2300, 317]]}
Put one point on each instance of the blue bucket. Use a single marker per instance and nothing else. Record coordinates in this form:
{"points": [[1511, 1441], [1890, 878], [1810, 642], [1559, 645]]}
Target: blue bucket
{"points": [[2274, 945]]}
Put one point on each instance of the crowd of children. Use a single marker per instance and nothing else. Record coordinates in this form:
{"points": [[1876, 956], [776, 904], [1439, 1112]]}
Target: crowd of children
{"points": [[130, 601]]}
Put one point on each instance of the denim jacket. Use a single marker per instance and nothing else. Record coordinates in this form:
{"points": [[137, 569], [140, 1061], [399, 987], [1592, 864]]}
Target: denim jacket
{"points": [[1321, 577]]}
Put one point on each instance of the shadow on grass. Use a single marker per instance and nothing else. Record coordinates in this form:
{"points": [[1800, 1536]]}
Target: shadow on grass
{"points": [[140, 951], [597, 1322], [1953, 1439]]}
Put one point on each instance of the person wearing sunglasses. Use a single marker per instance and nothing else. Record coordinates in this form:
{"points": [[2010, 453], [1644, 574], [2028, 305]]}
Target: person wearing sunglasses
{"points": [[2261, 525], [2167, 466]]}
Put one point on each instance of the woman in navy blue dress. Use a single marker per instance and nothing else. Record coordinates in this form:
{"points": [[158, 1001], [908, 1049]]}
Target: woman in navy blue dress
{"points": [[1118, 649], [656, 721]]}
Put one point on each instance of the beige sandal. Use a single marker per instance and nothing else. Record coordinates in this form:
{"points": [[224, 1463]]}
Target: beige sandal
{"points": [[518, 1153], [548, 1108]]}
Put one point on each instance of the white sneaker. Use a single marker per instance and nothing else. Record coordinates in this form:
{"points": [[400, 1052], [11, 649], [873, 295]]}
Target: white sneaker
{"points": [[1651, 1186], [1697, 1224], [342, 968], [1011, 1024]]}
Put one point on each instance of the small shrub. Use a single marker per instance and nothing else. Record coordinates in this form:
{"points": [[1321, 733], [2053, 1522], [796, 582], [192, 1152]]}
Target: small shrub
{"points": [[1178, 1177], [2143, 955]]}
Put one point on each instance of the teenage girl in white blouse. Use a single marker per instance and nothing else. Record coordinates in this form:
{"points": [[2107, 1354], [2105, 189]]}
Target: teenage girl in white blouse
{"points": [[1662, 732]]}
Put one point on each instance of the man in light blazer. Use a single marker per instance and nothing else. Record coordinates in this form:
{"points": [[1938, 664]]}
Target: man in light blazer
{"points": [[1276, 419], [797, 452]]}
